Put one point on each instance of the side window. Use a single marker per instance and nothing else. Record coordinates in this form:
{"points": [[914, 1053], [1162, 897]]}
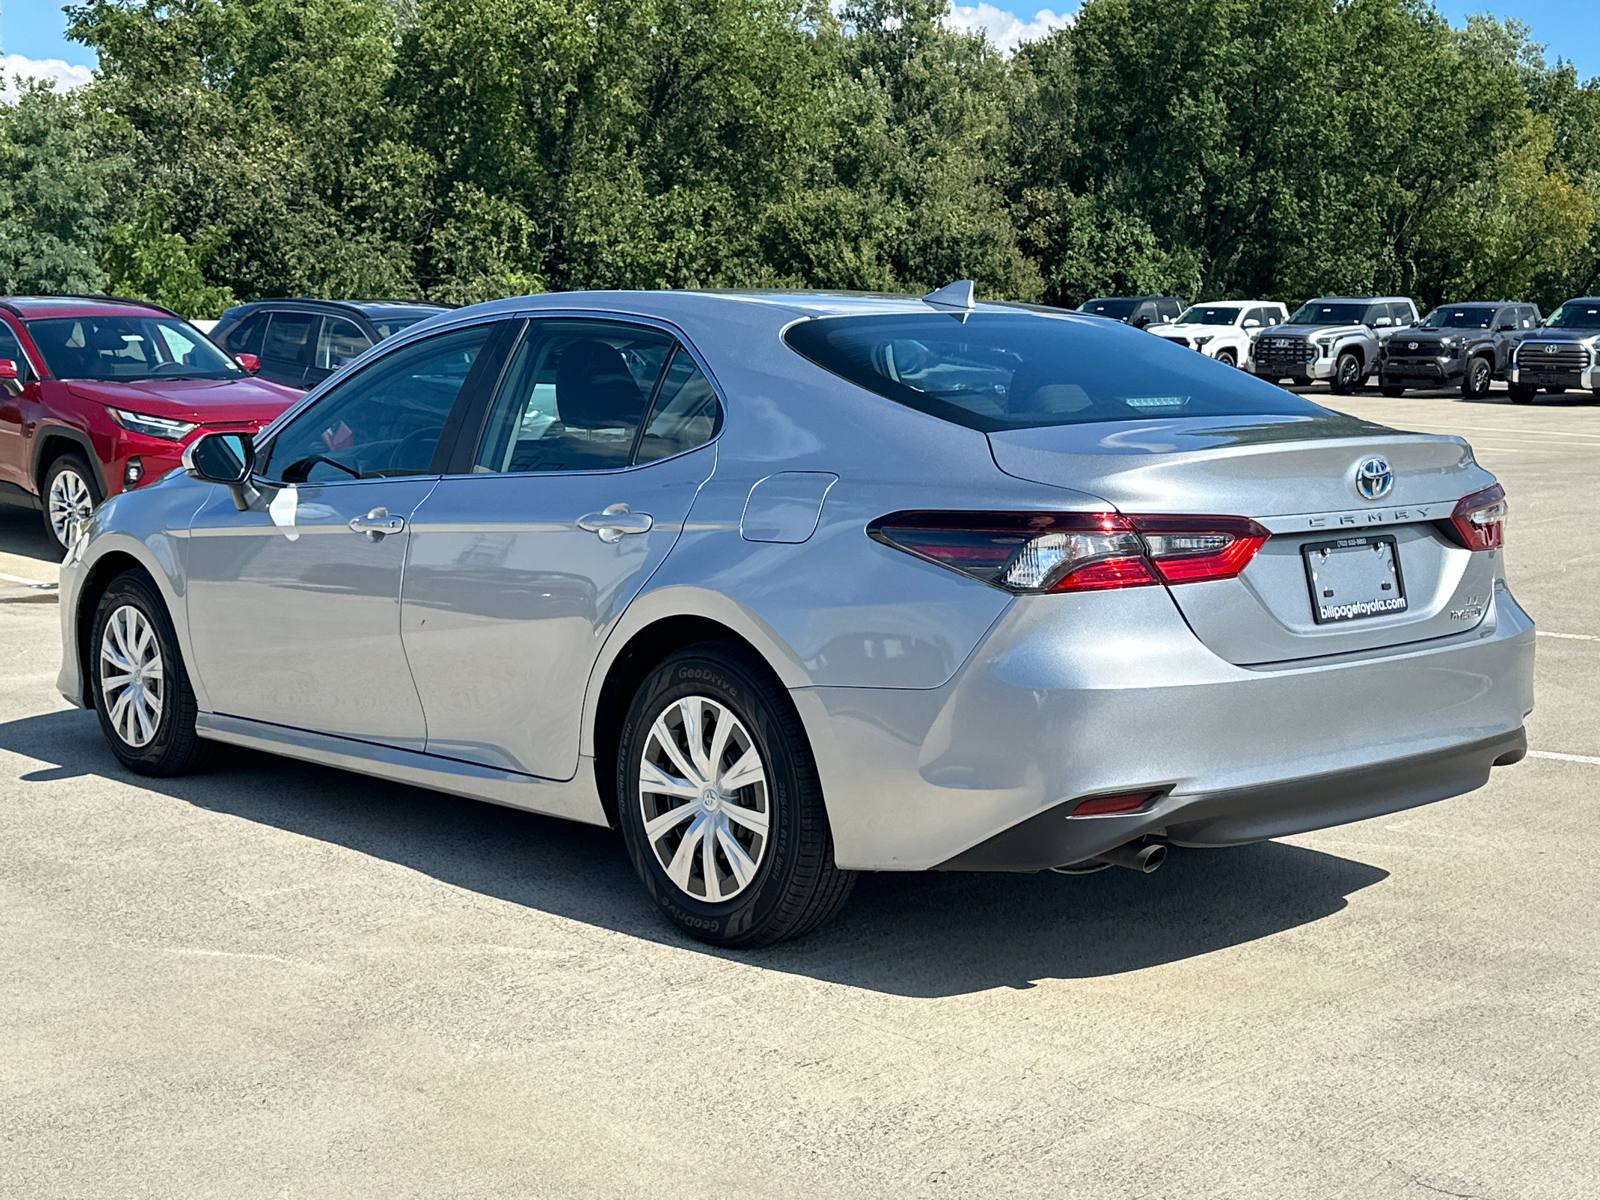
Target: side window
{"points": [[384, 420], [686, 412], [1259, 315], [11, 348], [289, 338], [245, 337], [572, 397], [1171, 310], [1402, 312], [339, 342], [1528, 318]]}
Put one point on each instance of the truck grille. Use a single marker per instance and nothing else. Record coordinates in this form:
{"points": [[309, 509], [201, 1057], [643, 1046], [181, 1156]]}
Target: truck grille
{"points": [[1401, 351], [1283, 352], [1552, 356]]}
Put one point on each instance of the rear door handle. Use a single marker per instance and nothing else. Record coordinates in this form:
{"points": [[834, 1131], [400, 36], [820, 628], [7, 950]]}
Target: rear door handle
{"points": [[616, 522], [376, 524]]}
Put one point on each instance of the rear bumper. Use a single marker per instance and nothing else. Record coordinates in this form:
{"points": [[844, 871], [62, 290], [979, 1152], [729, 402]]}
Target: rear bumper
{"points": [[1108, 693], [1231, 818]]}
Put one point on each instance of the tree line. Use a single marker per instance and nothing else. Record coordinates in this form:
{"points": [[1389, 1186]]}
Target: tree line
{"points": [[467, 149]]}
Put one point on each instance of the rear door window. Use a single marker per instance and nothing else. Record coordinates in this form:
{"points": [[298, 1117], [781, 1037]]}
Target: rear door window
{"points": [[286, 349]]}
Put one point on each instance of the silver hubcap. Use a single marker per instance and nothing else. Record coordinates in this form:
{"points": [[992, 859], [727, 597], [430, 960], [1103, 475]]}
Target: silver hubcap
{"points": [[131, 677], [703, 796], [69, 501]]}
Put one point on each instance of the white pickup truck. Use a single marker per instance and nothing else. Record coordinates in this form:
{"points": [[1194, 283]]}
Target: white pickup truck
{"points": [[1223, 330]]}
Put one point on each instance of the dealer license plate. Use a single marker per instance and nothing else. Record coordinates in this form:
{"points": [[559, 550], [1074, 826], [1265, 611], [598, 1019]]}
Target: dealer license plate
{"points": [[1353, 578]]}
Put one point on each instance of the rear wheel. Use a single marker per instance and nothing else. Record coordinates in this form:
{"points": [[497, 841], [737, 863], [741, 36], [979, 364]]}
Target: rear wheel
{"points": [[70, 495], [1347, 373], [720, 803], [141, 690], [1475, 383], [1523, 393]]}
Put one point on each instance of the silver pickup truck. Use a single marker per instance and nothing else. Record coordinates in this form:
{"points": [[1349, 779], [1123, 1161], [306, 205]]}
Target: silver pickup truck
{"points": [[1335, 339]]}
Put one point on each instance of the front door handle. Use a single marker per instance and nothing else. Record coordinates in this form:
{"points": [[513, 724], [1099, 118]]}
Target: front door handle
{"points": [[376, 524], [615, 522]]}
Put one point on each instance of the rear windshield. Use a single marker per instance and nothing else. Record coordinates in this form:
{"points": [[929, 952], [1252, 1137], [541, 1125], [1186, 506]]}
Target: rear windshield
{"points": [[997, 371], [1111, 308]]}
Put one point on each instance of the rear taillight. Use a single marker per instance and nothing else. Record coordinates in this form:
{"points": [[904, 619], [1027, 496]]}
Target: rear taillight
{"points": [[1074, 552], [1479, 519]]}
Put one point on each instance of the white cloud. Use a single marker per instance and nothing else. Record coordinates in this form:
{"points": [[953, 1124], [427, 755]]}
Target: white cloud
{"points": [[66, 75], [1005, 30]]}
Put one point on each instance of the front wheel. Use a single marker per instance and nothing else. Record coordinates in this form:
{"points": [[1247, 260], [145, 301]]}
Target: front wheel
{"points": [[1393, 390], [1227, 358], [1475, 383], [720, 804], [141, 689], [70, 495], [1522, 393], [1347, 374]]}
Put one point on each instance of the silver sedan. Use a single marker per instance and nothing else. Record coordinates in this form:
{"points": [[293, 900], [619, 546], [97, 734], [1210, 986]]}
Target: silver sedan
{"points": [[792, 586]]}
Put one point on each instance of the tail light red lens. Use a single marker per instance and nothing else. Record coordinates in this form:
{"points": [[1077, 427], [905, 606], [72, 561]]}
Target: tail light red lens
{"points": [[1479, 519], [1074, 552]]}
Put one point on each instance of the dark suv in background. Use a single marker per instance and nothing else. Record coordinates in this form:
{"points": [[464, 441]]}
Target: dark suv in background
{"points": [[1136, 310], [1562, 353], [301, 342], [1469, 344]]}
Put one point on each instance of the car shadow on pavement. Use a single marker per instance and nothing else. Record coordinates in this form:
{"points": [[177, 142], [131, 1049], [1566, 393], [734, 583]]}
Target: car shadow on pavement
{"points": [[919, 935], [22, 533]]}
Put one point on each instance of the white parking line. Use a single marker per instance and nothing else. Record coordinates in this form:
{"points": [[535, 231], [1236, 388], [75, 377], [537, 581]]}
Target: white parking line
{"points": [[1580, 758], [1576, 637]]}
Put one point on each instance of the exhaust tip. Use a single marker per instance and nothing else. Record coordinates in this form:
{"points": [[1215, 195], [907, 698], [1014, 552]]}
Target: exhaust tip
{"points": [[1145, 859]]}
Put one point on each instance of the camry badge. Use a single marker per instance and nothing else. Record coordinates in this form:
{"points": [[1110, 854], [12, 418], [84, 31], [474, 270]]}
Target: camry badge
{"points": [[1374, 478]]}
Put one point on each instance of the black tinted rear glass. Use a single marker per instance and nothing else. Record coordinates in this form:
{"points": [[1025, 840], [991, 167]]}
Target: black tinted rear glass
{"points": [[1111, 308], [996, 371]]}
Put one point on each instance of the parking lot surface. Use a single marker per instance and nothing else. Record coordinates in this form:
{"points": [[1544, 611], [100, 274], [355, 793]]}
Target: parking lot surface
{"points": [[279, 980]]}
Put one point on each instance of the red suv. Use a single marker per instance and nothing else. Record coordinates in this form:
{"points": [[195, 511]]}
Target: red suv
{"points": [[101, 395]]}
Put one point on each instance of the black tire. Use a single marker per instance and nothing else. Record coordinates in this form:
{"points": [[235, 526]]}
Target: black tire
{"points": [[70, 473], [1392, 390], [1523, 393], [1347, 377], [1556, 391], [1480, 375], [1228, 358], [795, 885], [174, 748]]}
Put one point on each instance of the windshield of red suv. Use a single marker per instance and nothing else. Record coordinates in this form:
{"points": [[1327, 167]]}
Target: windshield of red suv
{"points": [[128, 346], [995, 371], [1576, 314], [1329, 314], [1457, 318]]}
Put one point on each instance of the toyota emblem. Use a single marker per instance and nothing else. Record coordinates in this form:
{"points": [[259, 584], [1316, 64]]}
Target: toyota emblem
{"points": [[1374, 478], [1411, 345], [1550, 349]]}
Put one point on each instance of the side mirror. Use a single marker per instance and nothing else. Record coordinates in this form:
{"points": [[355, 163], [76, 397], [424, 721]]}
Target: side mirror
{"points": [[225, 458], [1506, 328], [1382, 323], [1252, 323], [249, 362], [10, 377]]}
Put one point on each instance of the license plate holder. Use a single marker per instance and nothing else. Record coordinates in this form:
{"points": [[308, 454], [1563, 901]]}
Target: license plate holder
{"points": [[1354, 578]]}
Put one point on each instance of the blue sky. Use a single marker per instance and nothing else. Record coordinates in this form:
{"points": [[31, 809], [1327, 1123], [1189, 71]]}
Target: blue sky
{"points": [[36, 29]]}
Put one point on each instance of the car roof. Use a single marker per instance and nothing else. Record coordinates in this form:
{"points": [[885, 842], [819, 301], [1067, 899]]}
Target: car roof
{"points": [[1360, 300], [29, 307], [368, 308]]}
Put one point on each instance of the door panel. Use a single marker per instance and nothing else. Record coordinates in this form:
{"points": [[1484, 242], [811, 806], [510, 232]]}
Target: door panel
{"points": [[507, 601], [295, 617]]}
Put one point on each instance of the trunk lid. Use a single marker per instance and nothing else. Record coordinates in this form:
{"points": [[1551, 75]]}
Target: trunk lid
{"points": [[1296, 475]]}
